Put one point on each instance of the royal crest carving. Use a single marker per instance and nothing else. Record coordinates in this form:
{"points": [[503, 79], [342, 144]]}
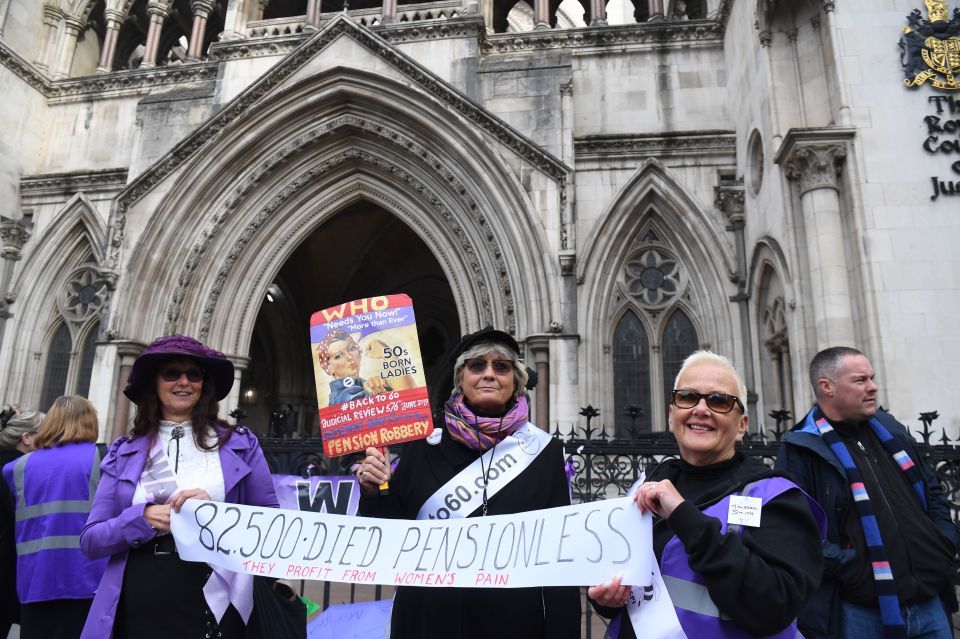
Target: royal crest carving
{"points": [[930, 48]]}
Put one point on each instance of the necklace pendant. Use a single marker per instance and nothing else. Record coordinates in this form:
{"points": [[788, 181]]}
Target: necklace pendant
{"points": [[484, 509]]}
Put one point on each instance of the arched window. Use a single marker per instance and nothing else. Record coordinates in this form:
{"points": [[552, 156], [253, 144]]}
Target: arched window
{"points": [[654, 332], [631, 376], [58, 365], [776, 368], [679, 340], [86, 360]]}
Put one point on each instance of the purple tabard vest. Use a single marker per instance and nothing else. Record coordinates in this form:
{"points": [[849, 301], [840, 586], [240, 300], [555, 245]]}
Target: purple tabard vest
{"points": [[54, 488], [696, 611]]}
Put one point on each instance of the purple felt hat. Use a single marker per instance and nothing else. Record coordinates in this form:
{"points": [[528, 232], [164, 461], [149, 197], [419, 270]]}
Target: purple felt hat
{"points": [[217, 368]]}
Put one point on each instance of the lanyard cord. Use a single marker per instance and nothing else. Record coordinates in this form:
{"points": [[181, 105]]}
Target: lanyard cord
{"points": [[493, 451]]}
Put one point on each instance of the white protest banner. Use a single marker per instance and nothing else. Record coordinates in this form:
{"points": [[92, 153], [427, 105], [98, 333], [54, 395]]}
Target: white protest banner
{"points": [[570, 546]]}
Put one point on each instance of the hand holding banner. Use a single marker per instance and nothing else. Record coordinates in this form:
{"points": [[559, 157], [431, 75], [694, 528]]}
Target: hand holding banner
{"points": [[568, 546]]}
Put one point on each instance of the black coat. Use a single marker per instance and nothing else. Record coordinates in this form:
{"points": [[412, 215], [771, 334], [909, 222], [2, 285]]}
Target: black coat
{"points": [[759, 578], [468, 613], [9, 604], [809, 462]]}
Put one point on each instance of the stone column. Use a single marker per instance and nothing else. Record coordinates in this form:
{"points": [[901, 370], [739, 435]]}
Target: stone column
{"points": [[157, 11], [486, 12], [844, 115], [792, 35], [541, 15], [813, 160], [201, 11], [313, 15], [238, 14], [108, 53], [52, 16], [229, 403], [656, 10], [598, 13], [389, 12], [13, 235], [72, 27], [538, 348], [729, 198], [4, 5], [127, 352]]}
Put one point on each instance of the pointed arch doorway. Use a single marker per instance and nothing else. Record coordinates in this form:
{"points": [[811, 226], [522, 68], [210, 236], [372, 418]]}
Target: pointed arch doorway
{"points": [[363, 251]]}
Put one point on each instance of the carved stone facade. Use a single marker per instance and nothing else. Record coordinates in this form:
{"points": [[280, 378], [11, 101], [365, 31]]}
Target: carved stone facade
{"points": [[581, 186]]}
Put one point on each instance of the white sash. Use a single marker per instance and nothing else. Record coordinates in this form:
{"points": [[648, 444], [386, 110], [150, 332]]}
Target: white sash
{"points": [[463, 494], [650, 608]]}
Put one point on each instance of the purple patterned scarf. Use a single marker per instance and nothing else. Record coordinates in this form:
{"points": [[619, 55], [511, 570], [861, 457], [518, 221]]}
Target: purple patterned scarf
{"points": [[480, 433]]}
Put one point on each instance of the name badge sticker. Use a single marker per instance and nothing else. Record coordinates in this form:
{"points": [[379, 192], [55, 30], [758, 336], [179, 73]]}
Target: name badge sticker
{"points": [[744, 510]]}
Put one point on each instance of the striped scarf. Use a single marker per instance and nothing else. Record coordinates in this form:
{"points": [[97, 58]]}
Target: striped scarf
{"points": [[480, 433], [893, 625]]}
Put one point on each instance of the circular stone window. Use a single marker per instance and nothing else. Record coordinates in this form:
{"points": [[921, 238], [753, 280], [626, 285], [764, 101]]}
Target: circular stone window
{"points": [[755, 162], [652, 277]]}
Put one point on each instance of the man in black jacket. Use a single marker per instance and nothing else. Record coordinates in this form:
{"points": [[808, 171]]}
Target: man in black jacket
{"points": [[890, 540]]}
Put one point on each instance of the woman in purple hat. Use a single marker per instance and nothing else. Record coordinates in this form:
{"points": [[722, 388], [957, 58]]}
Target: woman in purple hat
{"points": [[178, 449]]}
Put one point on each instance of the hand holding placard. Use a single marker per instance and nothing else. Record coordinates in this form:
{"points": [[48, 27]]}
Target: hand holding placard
{"points": [[374, 471]]}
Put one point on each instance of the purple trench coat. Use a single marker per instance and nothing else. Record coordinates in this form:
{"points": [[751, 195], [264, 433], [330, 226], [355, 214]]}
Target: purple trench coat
{"points": [[115, 526]]}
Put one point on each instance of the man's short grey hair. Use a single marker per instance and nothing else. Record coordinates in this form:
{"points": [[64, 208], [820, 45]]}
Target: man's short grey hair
{"points": [[25, 421], [482, 349], [709, 357], [826, 364]]}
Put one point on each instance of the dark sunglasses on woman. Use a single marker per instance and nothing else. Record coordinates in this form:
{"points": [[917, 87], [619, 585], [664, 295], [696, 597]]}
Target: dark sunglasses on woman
{"points": [[172, 374], [478, 365], [717, 402]]}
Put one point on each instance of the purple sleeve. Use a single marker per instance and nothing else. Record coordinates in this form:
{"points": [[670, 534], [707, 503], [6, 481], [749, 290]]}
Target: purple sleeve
{"points": [[258, 489], [110, 529]]}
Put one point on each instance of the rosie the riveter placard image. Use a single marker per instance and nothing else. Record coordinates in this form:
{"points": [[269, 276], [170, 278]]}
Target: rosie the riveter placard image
{"points": [[371, 388]]}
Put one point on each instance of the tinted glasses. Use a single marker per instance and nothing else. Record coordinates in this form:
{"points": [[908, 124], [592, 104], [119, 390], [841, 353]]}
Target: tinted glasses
{"points": [[172, 374], [717, 402], [477, 365]]}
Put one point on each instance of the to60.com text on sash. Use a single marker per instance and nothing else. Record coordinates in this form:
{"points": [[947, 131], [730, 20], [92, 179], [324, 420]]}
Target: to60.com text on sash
{"points": [[569, 546]]}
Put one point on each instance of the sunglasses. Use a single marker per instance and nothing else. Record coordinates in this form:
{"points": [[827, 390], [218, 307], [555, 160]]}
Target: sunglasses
{"points": [[479, 365], [172, 374], [717, 402]]}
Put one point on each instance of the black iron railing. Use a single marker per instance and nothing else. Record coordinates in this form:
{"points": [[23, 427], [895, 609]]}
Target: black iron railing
{"points": [[605, 467]]}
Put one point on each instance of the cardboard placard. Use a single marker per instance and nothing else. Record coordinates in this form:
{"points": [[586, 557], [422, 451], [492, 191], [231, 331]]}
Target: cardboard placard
{"points": [[371, 387]]}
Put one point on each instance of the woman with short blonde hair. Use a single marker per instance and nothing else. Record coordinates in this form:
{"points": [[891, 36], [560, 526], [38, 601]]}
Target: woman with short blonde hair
{"points": [[18, 427]]}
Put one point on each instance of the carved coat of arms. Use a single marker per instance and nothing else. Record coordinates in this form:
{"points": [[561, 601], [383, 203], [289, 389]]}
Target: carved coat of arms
{"points": [[930, 48]]}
